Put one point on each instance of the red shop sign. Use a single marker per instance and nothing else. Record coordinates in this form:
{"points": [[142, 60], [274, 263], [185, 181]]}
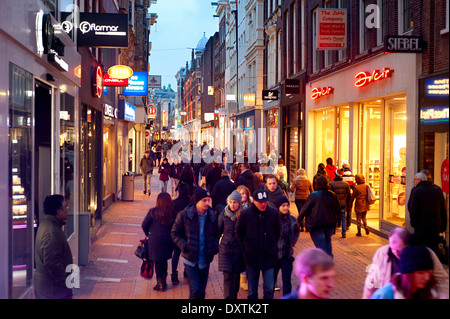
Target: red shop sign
{"points": [[365, 78], [110, 81], [97, 81], [444, 176], [319, 92], [151, 110]]}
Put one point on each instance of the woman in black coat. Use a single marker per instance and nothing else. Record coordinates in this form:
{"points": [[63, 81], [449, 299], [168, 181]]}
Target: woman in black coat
{"points": [[231, 259], [157, 225], [187, 176]]}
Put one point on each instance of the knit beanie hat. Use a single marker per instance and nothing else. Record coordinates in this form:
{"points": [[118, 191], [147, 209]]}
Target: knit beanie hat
{"points": [[414, 258], [199, 194], [280, 200], [235, 195]]}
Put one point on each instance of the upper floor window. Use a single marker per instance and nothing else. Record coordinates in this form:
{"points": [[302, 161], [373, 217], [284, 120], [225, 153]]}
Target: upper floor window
{"points": [[406, 15], [363, 29]]}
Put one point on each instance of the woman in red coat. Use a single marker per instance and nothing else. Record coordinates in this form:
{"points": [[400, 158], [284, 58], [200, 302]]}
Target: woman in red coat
{"points": [[164, 172]]}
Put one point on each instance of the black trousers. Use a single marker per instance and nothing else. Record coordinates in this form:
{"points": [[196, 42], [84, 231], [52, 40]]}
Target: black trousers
{"points": [[231, 282]]}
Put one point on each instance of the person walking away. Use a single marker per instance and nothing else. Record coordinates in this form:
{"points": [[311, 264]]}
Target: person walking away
{"points": [[187, 177], [52, 252], [213, 176], [428, 212], [178, 204], [321, 211], [222, 189], [146, 166], [359, 196], [321, 172], [415, 277], [272, 189], [231, 259], [330, 168], [302, 187], [196, 234], [316, 272], [289, 234], [175, 173], [349, 178], [158, 152], [164, 172], [258, 230], [385, 263], [157, 225], [248, 178], [342, 190]]}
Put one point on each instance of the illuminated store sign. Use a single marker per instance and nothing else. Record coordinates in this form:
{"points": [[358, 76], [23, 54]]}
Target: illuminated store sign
{"points": [[365, 78], [111, 81], [120, 72], [126, 111], [436, 87], [137, 84], [270, 95], [110, 111], [434, 115], [319, 92], [97, 81]]}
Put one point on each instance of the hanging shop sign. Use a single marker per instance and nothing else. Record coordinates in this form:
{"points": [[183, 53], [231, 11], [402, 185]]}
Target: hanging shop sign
{"points": [[151, 111], [365, 78], [48, 43], [111, 81], [103, 30], [404, 44], [437, 87], [120, 72], [137, 84], [210, 90], [126, 111], [110, 111], [292, 86], [249, 99], [445, 176], [319, 92], [97, 81], [434, 115], [154, 81], [270, 95], [332, 29]]}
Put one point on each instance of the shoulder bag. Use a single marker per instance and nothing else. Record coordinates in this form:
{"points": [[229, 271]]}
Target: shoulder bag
{"points": [[371, 199]]}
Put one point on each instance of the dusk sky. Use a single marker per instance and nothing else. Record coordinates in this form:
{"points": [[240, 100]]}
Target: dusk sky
{"points": [[180, 25]]}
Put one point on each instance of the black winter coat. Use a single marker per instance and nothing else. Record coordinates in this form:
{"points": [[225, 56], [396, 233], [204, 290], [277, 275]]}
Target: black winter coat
{"points": [[223, 188], [258, 233], [427, 209], [248, 179], [186, 234], [321, 210], [231, 258], [160, 245], [342, 190]]}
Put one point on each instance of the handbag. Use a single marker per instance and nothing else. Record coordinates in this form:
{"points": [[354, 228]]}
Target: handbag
{"points": [[142, 250], [147, 269], [371, 199]]}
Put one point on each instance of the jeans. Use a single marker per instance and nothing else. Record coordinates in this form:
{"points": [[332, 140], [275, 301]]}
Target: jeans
{"points": [[322, 239], [285, 264], [175, 258], [343, 220], [174, 184], [147, 178], [253, 280], [163, 186], [197, 280]]}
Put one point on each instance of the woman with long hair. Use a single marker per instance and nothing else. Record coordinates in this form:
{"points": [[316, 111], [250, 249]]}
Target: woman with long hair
{"points": [[157, 226], [415, 277], [246, 200]]}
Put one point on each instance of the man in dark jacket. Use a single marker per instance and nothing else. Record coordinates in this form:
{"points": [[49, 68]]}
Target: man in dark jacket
{"points": [[52, 252], [146, 166], [342, 190], [222, 189], [248, 178], [213, 176], [273, 190], [321, 210], [258, 231], [196, 233], [427, 211], [178, 204]]}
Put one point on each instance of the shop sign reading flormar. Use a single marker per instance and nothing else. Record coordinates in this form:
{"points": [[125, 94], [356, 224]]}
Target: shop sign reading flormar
{"points": [[365, 78]]}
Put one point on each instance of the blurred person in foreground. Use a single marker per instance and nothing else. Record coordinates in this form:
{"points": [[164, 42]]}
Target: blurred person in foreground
{"points": [[315, 270]]}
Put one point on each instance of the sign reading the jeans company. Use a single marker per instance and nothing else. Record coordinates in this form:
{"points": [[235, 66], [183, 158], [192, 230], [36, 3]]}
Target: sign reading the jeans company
{"points": [[107, 30]]}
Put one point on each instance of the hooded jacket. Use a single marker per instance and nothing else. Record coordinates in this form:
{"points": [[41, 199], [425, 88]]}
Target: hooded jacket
{"points": [[321, 210], [360, 195], [248, 179]]}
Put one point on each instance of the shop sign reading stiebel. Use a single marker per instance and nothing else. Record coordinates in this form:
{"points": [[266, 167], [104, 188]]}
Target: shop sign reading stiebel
{"points": [[108, 30]]}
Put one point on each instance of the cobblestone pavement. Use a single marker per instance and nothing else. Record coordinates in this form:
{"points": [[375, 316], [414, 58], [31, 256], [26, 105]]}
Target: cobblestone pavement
{"points": [[113, 269]]}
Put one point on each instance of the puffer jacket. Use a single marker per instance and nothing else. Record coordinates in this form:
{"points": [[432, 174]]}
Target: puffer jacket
{"points": [[186, 234], [321, 210], [231, 258], [342, 190], [303, 187], [52, 256]]}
